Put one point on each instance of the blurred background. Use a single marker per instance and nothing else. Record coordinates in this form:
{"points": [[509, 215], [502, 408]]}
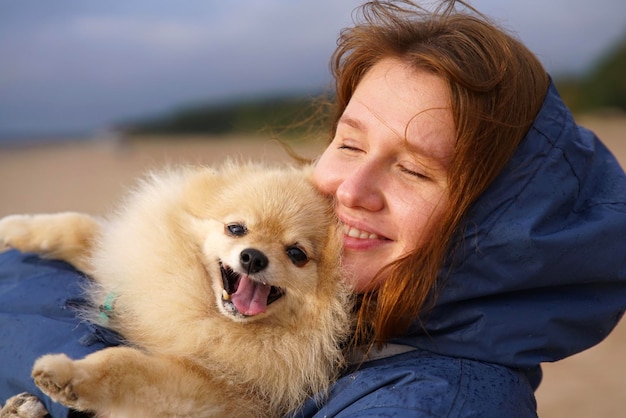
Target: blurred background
{"points": [[94, 93], [75, 68]]}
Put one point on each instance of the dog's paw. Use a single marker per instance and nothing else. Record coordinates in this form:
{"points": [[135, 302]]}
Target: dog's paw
{"points": [[20, 232], [15, 231], [23, 405], [55, 375]]}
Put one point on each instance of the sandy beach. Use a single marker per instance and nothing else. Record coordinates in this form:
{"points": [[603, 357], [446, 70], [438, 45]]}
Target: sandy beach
{"points": [[90, 176]]}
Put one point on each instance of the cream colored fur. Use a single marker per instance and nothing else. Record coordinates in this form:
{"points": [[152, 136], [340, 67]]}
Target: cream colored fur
{"points": [[187, 354]]}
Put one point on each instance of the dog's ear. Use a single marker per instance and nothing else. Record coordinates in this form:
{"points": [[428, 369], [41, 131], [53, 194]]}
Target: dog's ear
{"points": [[200, 191]]}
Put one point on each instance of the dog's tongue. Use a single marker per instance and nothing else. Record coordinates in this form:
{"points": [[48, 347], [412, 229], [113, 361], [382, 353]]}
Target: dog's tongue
{"points": [[250, 297]]}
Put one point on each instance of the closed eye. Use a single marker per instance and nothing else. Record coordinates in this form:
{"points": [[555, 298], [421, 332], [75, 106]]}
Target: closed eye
{"points": [[349, 148], [416, 174]]}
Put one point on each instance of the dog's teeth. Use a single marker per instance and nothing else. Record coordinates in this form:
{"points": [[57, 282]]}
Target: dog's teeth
{"points": [[225, 295]]}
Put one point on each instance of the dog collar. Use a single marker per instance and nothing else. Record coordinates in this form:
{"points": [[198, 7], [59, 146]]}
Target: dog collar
{"points": [[106, 309]]}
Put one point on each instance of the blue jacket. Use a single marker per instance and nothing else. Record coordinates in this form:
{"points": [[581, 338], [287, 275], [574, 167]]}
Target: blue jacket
{"points": [[36, 318], [543, 276]]}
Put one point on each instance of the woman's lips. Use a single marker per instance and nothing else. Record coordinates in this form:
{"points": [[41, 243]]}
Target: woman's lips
{"points": [[360, 239]]}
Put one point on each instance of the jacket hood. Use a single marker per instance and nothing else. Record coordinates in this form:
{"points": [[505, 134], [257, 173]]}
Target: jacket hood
{"points": [[540, 273]]}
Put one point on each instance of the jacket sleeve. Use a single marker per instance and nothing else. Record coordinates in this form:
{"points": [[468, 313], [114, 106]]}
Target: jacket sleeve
{"points": [[423, 384], [36, 318]]}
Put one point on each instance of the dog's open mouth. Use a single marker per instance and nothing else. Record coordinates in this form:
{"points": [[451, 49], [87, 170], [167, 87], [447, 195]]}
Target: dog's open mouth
{"points": [[246, 296]]}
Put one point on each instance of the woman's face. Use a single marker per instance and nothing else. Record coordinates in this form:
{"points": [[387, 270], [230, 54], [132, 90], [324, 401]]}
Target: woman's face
{"points": [[387, 166]]}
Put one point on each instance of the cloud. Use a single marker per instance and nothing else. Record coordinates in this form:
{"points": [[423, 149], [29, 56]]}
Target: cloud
{"points": [[567, 35], [157, 35], [87, 64], [77, 63]]}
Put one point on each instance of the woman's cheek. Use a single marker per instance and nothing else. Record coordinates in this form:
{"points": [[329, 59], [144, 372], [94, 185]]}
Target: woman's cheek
{"points": [[323, 175]]}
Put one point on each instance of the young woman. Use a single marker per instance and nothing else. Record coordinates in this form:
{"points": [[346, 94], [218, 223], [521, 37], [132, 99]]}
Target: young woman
{"points": [[483, 228]]}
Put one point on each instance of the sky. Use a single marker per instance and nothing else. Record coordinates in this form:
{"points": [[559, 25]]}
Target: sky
{"points": [[78, 66]]}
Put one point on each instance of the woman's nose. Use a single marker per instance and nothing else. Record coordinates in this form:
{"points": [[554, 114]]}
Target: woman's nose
{"points": [[361, 188]]}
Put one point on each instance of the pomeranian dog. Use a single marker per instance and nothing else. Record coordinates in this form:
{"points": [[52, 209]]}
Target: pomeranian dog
{"points": [[224, 283]]}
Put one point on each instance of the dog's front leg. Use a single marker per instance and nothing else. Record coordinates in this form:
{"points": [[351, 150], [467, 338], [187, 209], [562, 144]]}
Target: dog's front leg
{"points": [[65, 236], [122, 381]]}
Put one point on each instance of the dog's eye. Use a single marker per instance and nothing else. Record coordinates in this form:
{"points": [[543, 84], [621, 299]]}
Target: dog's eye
{"points": [[236, 230], [297, 256]]}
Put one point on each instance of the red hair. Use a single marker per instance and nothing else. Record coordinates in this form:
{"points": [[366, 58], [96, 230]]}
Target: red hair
{"points": [[497, 87]]}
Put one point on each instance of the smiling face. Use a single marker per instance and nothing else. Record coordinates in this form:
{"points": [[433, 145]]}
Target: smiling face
{"points": [[265, 239], [387, 166], [249, 276]]}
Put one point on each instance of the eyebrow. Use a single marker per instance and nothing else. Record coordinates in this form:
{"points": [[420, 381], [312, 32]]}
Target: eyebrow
{"points": [[354, 123]]}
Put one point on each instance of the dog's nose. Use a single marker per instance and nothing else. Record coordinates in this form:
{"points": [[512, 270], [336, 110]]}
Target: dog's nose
{"points": [[253, 260]]}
